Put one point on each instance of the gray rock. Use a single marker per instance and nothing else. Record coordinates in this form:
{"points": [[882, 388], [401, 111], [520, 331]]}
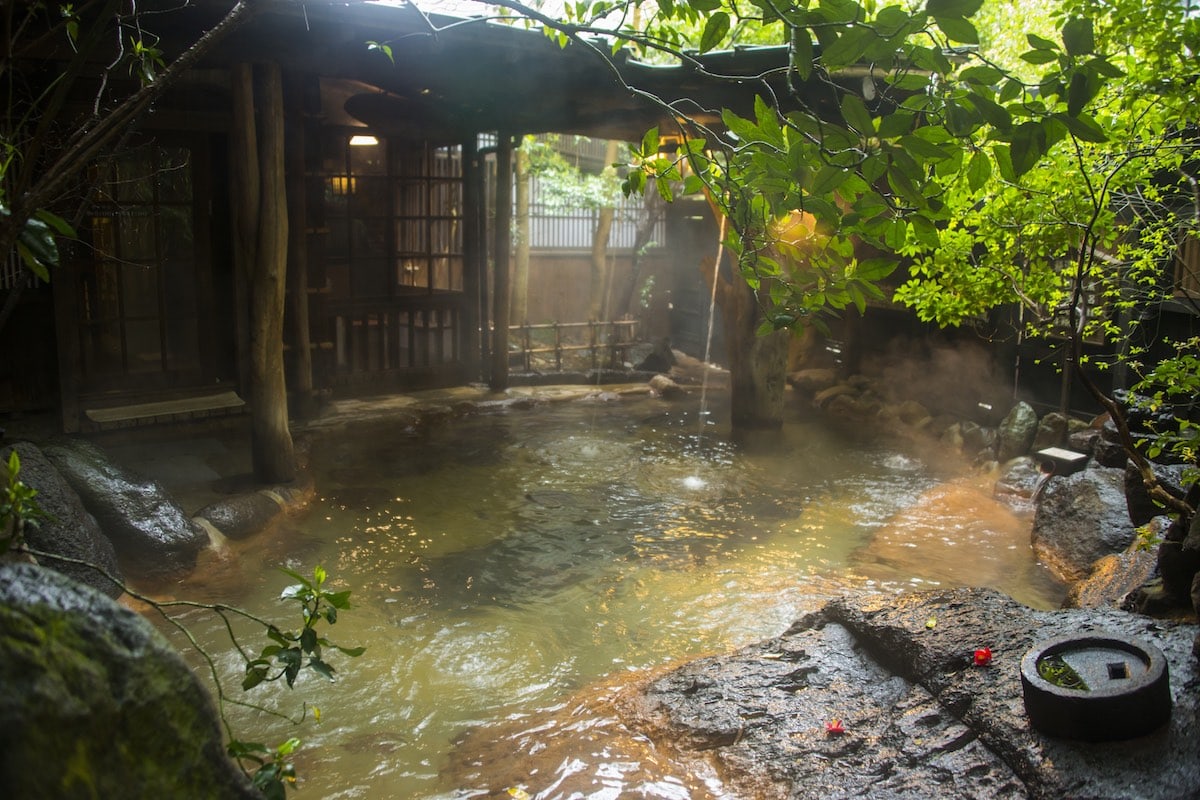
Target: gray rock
{"points": [[810, 381], [1080, 518], [1114, 579], [1018, 481], [243, 515], [977, 438], [1084, 441], [152, 535], [1051, 431], [67, 529], [97, 704], [1108, 450], [1142, 509], [1016, 432], [920, 720], [666, 388]]}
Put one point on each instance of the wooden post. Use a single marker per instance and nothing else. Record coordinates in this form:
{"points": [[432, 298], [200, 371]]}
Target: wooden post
{"points": [[297, 249], [474, 259], [243, 181], [502, 257], [261, 234]]}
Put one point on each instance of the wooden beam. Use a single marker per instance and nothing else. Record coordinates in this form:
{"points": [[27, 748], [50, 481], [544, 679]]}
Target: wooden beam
{"points": [[501, 258]]}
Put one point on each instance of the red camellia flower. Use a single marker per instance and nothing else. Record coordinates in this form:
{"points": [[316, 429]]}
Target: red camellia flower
{"points": [[834, 726], [983, 656]]}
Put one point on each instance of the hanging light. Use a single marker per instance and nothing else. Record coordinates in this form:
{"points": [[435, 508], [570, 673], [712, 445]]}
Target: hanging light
{"points": [[363, 140]]}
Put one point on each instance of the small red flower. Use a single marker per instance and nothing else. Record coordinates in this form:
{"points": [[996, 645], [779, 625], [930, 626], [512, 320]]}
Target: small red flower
{"points": [[983, 656], [834, 727]]}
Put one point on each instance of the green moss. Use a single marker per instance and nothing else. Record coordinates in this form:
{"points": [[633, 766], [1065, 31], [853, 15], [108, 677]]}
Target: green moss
{"points": [[1057, 671]]}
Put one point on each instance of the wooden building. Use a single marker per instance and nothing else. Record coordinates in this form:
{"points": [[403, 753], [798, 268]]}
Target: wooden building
{"points": [[391, 246]]}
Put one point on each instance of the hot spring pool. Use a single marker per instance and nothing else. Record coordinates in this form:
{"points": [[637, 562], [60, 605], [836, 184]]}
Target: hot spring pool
{"points": [[501, 565]]}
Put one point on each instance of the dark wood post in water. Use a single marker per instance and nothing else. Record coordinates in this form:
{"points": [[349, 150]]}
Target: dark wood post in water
{"points": [[502, 256], [297, 242], [261, 234], [474, 259]]}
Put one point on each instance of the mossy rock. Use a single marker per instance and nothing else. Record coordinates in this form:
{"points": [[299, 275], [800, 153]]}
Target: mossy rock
{"points": [[96, 704]]}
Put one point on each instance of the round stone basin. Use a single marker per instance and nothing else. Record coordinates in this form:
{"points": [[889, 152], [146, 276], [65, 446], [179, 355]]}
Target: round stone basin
{"points": [[1098, 687]]}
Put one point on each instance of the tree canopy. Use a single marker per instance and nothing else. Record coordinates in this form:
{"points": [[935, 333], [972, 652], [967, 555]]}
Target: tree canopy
{"points": [[992, 154]]}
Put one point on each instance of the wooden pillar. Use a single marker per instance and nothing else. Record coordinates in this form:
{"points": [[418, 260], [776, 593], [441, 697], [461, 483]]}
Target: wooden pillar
{"points": [[502, 256], [474, 260], [261, 234], [297, 246]]}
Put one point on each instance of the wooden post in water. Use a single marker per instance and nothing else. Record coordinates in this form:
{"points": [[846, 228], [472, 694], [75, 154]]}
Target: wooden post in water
{"points": [[502, 257]]}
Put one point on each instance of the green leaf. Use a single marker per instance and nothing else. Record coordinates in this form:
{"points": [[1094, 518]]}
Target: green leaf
{"points": [[847, 48], [664, 189], [958, 30], [715, 30], [993, 113], [353, 652], [801, 55], [875, 269], [1028, 146], [953, 8], [1084, 86], [60, 225], [1003, 155], [340, 600], [32, 262], [1038, 43], [1082, 127], [1078, 36], [1039, 56], [321, 668], [895, 235], [895, 124], [979, 169], [650, 143], [925, 231], [982, 75], [854, 111], [915, 145], [253, 678]]}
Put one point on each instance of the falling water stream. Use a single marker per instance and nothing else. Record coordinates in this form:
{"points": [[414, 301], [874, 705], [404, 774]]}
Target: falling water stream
{"points": [[506, 568]]}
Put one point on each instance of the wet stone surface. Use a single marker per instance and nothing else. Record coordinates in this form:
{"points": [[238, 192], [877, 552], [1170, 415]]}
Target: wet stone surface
{"points": [[918, 717]]}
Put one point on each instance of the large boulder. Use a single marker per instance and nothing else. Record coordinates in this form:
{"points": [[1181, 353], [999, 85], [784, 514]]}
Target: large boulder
{"points": [[67, 529], [1080, 518], [153, 536], [97, 704], [1016, 432], [1142, 508], [918, 718]]}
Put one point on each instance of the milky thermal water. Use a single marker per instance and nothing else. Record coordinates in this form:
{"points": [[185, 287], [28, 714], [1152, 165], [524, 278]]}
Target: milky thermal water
{"points": [[507, 568]]}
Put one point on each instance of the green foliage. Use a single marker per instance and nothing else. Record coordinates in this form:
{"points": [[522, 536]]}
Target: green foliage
{"points": [[292, 651], [1055, 670], [275, 770], [289, 653], [562, 184], [18, 507], [36, 242], [1050, 164]]}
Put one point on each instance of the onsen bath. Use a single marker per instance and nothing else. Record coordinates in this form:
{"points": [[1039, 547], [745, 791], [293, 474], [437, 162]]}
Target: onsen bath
{"points": [[507, 566]]}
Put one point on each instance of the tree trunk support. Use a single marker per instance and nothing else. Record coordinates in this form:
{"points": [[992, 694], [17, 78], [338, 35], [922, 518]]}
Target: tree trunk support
{"points": [[502, 257]]}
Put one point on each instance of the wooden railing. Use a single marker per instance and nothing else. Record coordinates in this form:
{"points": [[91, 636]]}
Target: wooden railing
{"points": [[376, 337], [570, 345]]}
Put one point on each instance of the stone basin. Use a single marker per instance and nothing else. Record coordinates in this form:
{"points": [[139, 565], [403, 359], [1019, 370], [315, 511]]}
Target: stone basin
{"points": [[1115, 687]]}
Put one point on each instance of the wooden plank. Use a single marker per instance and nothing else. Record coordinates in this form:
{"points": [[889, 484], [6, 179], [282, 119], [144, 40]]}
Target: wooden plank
{"points": [[224, 401]]}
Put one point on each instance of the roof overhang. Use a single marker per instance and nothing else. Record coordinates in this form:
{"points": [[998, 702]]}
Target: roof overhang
{"points": [[454, 77]]}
